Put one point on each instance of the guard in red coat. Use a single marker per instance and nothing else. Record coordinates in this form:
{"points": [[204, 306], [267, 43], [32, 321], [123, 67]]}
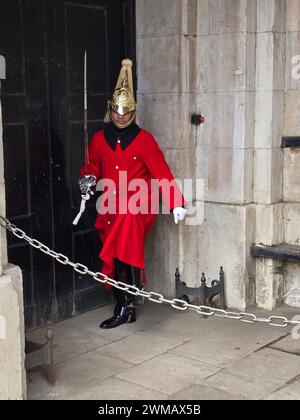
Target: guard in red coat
{"points": [[125, 160]]}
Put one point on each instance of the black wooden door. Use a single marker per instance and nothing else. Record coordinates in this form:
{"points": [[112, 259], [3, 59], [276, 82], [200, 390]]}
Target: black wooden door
{"points": [[43, 42]]}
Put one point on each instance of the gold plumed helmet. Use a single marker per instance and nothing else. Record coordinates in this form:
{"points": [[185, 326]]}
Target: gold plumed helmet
{"points": [[123, 100]]}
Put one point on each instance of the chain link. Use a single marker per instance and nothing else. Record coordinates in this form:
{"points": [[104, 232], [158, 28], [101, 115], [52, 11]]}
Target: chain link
{"points": [[179, 304]]}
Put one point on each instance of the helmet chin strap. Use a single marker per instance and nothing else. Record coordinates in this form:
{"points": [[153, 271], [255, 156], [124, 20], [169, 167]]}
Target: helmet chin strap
{"points": [[121, 125]]}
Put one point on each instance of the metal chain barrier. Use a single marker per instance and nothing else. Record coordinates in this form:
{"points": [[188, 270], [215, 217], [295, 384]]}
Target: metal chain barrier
{"points": [[181, 305]]}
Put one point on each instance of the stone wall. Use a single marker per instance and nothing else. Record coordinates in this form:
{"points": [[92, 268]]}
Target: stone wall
{"points": [[225, 94], [269, 112], [166, 58], [12, 335], [200, 56], [278, 209], [291, 172], [231, 61]]}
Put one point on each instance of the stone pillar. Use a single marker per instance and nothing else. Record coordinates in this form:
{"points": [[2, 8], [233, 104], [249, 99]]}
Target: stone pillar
{"points": [[291, 172], [268, 192], [225, 95], [268, 168], [12, 350], [3, 248], [166, 64], [269, 283], [12, 336]]}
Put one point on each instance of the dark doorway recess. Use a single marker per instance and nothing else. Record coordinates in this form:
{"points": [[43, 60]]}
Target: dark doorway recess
{"points": [[43, 42]]}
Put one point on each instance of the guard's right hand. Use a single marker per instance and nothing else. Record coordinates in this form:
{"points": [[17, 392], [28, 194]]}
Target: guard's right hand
{"points": [[86, 185]]}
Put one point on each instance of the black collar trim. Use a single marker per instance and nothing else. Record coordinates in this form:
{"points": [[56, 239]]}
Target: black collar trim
{"points": [[126, 138]]}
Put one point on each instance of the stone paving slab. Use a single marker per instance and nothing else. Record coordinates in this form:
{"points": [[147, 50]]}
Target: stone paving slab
{"points": [[169, 354], [289, 392], [75, 375], [202, 393], [223, 348], [185, 325], [90, 321], [117, 389], [288, 344], [168, 373], [85, 332], [70, 339], [257, 375], [141, 346]]}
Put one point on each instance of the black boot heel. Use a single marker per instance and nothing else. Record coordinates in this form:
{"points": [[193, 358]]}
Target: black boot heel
{"points": [[131, 315]]}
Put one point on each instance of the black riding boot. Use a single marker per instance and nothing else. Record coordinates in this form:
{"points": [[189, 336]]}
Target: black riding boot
{"points": [[134, 278], [123, 313]]}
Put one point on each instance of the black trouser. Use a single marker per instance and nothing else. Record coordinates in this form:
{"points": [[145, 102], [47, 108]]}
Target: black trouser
{"points": [[127, 274]]}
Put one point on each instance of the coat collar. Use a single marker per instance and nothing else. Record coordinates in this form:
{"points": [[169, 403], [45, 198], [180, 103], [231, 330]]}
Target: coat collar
{"points": [[126, 136]]}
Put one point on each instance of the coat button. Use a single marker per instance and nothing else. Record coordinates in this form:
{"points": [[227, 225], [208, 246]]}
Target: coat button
{"points": [[134, 157], [108, 222], [117, 167], [114, 192], [119, 141]]}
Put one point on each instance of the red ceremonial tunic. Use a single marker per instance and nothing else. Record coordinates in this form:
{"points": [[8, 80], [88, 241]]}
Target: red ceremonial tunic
{"points": [[139, 157]]}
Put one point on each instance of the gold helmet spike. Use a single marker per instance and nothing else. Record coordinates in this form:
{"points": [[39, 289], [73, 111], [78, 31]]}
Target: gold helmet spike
{"points": [[123, 100]]}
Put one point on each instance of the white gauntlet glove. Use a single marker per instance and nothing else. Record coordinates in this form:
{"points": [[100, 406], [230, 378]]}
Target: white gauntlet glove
{"points": [[179, 214]]}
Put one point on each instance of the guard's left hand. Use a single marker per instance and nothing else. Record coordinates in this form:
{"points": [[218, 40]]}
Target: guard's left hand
{"points": [[179, 214]]}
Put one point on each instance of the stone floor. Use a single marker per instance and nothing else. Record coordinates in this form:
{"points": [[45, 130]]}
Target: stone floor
{"points": [[170, 355]]}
